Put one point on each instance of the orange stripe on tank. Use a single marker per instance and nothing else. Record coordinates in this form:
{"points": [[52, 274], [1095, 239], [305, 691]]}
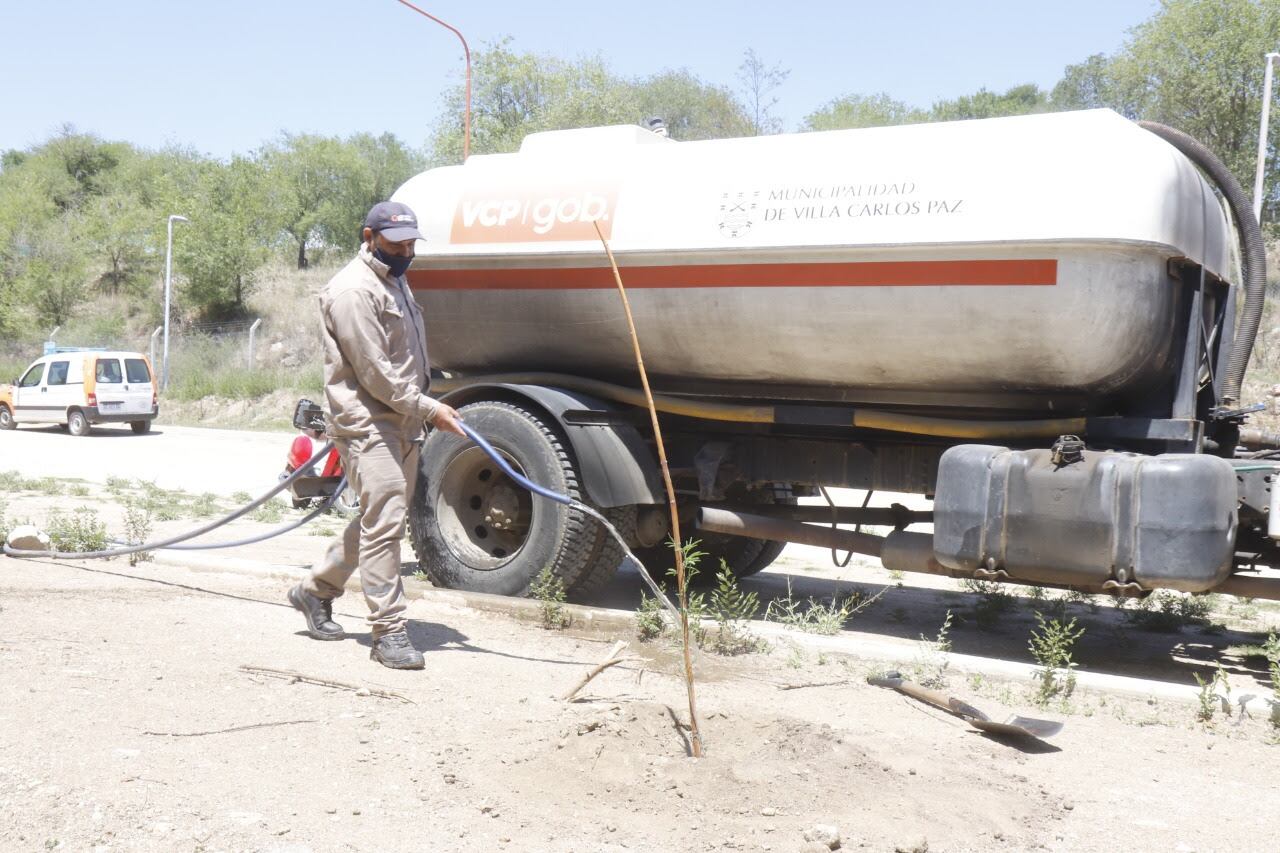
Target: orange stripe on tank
{"points": [[1000, 273]]}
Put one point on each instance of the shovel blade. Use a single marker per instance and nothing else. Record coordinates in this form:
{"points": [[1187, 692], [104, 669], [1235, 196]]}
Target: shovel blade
{"points": [[1034, 727], [1019, 727]]}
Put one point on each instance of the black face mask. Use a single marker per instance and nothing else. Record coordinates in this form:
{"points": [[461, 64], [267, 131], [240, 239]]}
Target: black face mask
{"points": [[396, 264]]}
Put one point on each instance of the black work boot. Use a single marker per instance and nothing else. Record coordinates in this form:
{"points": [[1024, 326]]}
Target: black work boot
{"points": [[395, 650], [319, 613]]}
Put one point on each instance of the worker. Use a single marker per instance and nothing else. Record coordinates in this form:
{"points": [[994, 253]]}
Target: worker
{"points": [[376, 378]]}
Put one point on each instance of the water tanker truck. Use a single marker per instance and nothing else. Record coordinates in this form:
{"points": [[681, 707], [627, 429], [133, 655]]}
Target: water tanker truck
{"points": [[1041, 323]]}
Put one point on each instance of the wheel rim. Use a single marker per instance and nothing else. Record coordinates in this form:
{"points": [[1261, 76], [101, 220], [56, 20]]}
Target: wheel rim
{"points": [[77, 422], [484, 517], [5, 417]]}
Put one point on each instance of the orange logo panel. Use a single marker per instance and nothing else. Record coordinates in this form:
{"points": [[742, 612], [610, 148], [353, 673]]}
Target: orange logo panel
{"points": [[534, 214]]}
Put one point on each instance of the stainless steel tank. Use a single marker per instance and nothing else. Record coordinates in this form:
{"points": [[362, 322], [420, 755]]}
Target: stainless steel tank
{"points": [[1017, 264]]}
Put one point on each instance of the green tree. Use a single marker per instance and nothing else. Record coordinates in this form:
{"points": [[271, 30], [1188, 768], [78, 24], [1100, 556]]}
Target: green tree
{"points": [[852, 111], [1089, 85], [51, 276], [515, 94], [1019, 100], [85, 164], [1196, 65], [759, 81], [221, 252], [691, 108], [382, 163], [310, 176], [117, 228]]}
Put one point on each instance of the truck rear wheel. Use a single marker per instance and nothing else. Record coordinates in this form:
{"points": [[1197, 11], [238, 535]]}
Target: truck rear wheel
{"points": [[743, 555], [476, 529], [6, 417]]}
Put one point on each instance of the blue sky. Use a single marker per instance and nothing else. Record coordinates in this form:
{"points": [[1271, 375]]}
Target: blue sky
{"points": [[223, 76]]}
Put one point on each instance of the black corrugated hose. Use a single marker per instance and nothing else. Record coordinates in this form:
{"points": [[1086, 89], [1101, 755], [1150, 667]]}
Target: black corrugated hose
{"points": [[1253, 256]]}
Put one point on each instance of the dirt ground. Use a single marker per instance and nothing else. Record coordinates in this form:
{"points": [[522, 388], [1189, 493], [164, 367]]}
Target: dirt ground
{"points": [[128, 723]]}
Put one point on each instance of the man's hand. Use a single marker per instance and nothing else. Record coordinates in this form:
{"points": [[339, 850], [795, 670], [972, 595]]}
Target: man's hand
{"points": [[448, 419]]}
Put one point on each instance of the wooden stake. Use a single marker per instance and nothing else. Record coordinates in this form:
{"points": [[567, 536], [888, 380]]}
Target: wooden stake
{"points": [[695, 736]]}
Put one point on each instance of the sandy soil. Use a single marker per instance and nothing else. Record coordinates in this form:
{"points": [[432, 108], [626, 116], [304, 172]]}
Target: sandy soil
{"points": [[128, 724]]}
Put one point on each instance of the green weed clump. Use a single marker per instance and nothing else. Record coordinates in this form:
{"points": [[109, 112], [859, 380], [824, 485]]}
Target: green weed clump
{"points": [[137, 526], [78, 532], [650, 624], [993, 600], [270, 512], [932, 660], [162, 504], [1168, 612], [12, 481], [1271, 650], [1206, 699], [819, 617], [731, 608], [549, 591], [1051, 645], [205, 505]]}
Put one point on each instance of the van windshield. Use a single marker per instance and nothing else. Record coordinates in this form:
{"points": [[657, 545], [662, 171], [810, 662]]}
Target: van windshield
{"points": [[32, 377], [136, 369], [108, 370]]}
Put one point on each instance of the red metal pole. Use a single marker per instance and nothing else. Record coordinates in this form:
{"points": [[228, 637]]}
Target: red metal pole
{"points": [[466, 117]]}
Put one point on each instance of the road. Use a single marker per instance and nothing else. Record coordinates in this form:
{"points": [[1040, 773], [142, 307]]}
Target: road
{"points": [[189, 458]]}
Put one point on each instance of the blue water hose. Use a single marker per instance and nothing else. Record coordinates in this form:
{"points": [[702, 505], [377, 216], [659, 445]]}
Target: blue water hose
{"points": [[511, 472], [578, 505]]}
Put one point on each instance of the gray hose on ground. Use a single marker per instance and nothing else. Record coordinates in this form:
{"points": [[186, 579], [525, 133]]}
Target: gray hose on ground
{"points": [[259, 537], [181, 537], [1254, 255]]}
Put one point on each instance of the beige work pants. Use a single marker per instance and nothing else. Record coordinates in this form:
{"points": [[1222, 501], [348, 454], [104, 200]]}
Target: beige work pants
{"points": [[382, 469]]}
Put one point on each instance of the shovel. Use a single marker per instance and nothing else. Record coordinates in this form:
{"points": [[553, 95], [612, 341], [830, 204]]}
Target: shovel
{"points": [[1015, 725]]}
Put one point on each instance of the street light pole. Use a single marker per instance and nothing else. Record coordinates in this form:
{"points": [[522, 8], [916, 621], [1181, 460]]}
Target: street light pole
{"points": [[466, 52], [1262, 137], [168, 287]]}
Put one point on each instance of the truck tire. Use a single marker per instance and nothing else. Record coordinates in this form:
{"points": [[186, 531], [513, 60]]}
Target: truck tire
{"points": [[6, 418], [744, 556], [140, 427], [605, 565], [77, 423], [475, 529]]}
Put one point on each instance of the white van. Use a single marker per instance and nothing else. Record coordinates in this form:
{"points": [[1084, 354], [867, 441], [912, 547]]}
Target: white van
{"points": [[80, 387]]}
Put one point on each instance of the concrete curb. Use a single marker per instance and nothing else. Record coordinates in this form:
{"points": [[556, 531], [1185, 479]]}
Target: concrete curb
{"points": [[603, 620]]}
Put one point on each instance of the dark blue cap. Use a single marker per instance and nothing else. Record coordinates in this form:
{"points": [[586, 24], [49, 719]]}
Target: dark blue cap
{"points": [[394, 221]]}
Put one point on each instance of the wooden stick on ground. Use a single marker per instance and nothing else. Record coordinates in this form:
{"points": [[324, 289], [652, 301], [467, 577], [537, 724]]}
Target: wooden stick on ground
{"points": [[614, 657], [695, 736], [324, 682], [814, 684], [232, 729]]}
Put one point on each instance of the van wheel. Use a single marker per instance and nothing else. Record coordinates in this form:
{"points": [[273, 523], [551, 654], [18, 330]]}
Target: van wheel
{"points": [[6, 418], [77, 423], [475, 529], [140, 427]]}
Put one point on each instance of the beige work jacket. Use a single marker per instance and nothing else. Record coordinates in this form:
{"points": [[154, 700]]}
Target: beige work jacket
{"points": [[376, 373]]}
